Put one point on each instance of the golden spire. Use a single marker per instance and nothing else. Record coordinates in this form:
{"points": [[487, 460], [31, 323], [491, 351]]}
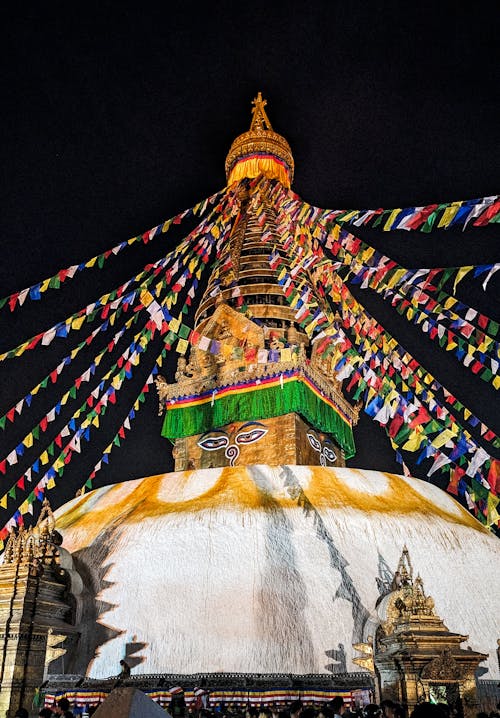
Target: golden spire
{"points": [[260, 151], [46, 522], [260, 120]]}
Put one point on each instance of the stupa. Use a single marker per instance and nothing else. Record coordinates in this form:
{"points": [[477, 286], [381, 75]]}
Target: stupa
{"points": [[261, 553]]}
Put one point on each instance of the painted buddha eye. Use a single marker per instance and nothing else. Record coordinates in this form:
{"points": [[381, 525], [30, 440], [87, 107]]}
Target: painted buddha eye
{"points": [[314, 442], [329, 453], [248, 433], [213, 441]]}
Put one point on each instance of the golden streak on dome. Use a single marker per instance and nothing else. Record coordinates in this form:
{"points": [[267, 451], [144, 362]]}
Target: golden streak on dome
{"points": [[275, 161]]}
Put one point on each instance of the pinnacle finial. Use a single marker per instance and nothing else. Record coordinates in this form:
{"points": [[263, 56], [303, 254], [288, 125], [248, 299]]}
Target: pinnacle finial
{"points": [[260, 151], [260, 120], [46, 521]]}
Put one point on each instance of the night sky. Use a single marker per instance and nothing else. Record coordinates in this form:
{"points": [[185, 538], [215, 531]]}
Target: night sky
{"points": [[116, 117]]}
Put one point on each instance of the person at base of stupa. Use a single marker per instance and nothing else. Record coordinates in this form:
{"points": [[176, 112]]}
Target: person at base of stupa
{"points": [[62, 708]]}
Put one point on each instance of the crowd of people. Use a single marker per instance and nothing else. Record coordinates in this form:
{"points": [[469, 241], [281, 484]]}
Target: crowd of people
{"points": [[336, 708]]}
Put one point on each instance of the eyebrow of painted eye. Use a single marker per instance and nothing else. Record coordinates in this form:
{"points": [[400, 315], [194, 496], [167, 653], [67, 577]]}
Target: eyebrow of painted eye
{"points": [[244, 427], [215, 433]]}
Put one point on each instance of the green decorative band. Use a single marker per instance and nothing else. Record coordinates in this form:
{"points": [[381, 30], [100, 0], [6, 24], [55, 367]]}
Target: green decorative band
{"points": [[292, 395]]}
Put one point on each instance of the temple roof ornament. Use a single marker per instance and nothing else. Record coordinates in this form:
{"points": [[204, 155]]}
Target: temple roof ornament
{"points": [[260, 151], [27, 546]]}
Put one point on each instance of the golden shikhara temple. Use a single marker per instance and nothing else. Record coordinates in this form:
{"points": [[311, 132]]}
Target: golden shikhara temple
{"points": [[261, 567]]}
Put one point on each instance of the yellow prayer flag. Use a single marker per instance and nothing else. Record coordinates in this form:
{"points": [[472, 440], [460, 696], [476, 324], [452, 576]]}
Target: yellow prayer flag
{"points": [[390, 219], [367, 254], [448, 214], [182, 346], [51, 483], [487, 341], [28, 441], [146, 298], [159, 286], [442, 438], [414, 441], [3, 502], [174, 325], [493, 515], [77, 322], [460, 275], [44, 457], [349, 215], [398, 274], [91, 262]]}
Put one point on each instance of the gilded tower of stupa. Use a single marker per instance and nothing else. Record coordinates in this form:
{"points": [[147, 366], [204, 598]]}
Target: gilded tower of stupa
{"points": [[256, 391]]}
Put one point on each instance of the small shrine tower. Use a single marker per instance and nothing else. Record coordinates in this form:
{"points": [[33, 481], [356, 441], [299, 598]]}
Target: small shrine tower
{"points": [[417, 658], [34, 611]]}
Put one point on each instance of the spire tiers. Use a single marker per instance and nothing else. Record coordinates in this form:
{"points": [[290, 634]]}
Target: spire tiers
{"points": [[260, 151]]}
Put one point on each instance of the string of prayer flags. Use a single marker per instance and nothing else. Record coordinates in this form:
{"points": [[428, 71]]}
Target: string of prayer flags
{"points": [[478, 212], [35, 291]]}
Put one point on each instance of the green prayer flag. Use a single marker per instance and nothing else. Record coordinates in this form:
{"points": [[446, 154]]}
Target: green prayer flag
{"points": [[184, 331]]}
